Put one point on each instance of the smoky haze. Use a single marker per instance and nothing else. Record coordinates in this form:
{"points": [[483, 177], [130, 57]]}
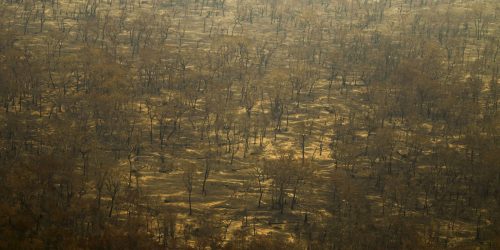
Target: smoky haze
{"points": [[258, 124]]}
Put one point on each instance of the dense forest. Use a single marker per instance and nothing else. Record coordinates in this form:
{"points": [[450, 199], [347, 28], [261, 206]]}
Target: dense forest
{"points": [[249, 124]]}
